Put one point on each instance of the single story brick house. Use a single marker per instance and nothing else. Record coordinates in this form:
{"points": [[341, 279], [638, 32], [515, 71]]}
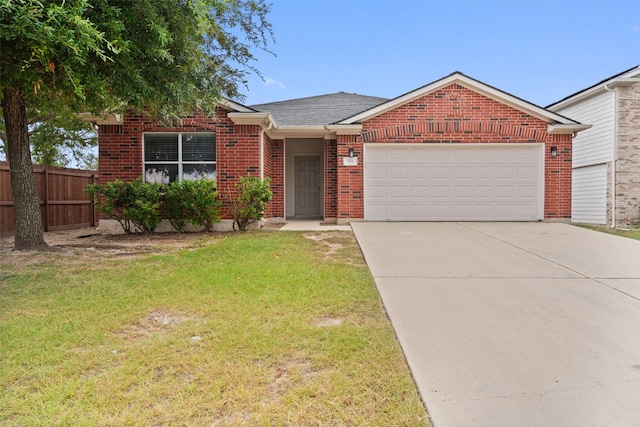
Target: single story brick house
{"points": [[606, 157], [454, 150]]}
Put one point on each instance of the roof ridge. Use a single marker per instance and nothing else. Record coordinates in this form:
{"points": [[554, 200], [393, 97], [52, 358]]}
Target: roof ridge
{"points": [[315, 97]]}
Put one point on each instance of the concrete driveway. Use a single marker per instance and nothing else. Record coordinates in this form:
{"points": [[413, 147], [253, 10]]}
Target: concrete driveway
{"points": [[513, 324]]}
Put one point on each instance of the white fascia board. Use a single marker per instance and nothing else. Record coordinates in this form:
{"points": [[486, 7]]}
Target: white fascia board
{"points": [[107, 119], [563, 129], [474, 85], [301, 131], [355, 129], [264, 120]]}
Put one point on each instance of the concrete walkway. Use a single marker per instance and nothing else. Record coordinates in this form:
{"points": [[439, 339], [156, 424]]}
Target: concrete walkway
{"points": [[312, 225], [513, 324]]}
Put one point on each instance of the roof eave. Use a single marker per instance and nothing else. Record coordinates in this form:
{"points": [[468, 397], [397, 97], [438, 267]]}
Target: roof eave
{"points": [[264, 120], [313, 131], [626, 78], [564, 129], [106, 119], [231, 105], [596, 90]]}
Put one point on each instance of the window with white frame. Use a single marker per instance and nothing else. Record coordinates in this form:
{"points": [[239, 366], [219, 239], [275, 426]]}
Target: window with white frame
{"points": [[170, 157]]}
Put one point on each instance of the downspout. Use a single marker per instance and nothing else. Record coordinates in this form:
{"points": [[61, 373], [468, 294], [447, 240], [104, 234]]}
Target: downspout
{"points": [[615, 154]]}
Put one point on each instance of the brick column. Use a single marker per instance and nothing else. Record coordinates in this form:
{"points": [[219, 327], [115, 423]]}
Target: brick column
{"points": [[350, 179]]}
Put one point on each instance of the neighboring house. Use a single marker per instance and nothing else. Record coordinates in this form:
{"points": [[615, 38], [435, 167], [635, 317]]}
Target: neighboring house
{"points": [[606, 158], [453, 150]]}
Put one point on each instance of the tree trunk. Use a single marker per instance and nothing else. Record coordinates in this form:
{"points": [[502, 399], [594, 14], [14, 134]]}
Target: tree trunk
{"points": [[29, 234]]}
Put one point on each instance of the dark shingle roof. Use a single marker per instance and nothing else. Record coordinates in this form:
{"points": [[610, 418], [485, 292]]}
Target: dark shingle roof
{"points": [[319, 110]]}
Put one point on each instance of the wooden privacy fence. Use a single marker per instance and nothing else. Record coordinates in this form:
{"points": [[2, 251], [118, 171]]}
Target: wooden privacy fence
{"points": [[63, 204]]}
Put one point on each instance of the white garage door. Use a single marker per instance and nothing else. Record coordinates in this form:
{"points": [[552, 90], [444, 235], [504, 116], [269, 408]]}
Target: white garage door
{"points": [[469, 182], [589, 195]]}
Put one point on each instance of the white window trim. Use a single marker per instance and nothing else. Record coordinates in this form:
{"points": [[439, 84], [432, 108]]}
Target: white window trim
{"points": [[179, 162]]}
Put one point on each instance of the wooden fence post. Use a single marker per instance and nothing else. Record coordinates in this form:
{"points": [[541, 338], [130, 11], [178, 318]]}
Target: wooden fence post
{"points": [[45, 219]]}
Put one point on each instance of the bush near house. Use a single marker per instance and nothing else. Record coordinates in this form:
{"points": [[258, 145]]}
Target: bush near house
{"points": [[138, 206], [192, 201], [251, 202], [135, 205]]}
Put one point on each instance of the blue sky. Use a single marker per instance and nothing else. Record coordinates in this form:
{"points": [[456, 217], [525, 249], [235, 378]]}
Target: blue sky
{"points": [[540, 51]]}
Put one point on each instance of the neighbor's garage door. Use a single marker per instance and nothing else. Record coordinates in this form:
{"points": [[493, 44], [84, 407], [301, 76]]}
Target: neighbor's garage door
{"points": [[470, 182]]}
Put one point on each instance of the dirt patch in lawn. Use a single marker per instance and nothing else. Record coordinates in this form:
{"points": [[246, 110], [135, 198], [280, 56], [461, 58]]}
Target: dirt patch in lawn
{"points": [[288, 374], [337, 246], [157, 321], [87, 243], [324, 322]]}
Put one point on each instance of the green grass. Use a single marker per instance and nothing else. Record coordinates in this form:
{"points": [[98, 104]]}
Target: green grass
{"points": [[254, 329], [633, 233]]}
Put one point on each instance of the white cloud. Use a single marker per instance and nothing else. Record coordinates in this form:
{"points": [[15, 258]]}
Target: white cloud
{"points": [[635, 28], [269, 82]]}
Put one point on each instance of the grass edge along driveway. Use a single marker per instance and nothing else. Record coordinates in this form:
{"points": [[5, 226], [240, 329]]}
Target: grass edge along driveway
{"points": [[261, 328]]}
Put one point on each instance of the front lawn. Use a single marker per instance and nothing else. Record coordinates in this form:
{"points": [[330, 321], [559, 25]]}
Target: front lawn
{"points": [[255, 329]]}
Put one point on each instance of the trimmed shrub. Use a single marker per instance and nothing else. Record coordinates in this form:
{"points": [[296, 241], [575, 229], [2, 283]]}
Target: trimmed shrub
{"points": [[135, 205], [251, 202], [139, 206], [199, 202]]}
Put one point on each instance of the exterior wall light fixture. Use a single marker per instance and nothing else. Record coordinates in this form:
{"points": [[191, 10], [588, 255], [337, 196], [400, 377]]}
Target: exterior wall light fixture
{"points": [[350, 151], [554, 151]]}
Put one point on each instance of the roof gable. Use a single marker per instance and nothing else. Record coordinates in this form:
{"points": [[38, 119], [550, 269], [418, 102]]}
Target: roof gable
{"points": [[469, 83]]}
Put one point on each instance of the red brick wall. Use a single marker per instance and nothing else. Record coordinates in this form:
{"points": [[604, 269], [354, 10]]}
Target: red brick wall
{"points": [[330, 178], [274, 169], [350, 178], [237, 148], [455, 114], [120, 146], [557, 192]]}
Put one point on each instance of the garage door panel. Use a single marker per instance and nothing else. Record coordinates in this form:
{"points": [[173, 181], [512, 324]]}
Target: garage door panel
{"points": [[420, 193], [484, 192], [484, 172], [441, 191], [419, 172], [399, 211], [463, 192], [399, 192], [503, 192], [525, 193], [471, 182], [461, 172]]}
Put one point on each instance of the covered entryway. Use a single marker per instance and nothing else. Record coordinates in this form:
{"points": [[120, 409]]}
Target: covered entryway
{"points": [[454, 182]]}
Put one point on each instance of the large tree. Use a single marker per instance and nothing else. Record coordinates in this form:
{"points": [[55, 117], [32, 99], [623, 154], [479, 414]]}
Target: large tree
{"points": [[165, 57]]}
